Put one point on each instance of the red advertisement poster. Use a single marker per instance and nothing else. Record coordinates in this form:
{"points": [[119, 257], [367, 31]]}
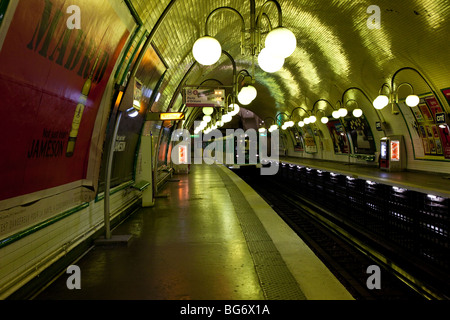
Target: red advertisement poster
{"points": [[338, 136], [52, 79], [426, 112], [446, 93], [434, 106]]}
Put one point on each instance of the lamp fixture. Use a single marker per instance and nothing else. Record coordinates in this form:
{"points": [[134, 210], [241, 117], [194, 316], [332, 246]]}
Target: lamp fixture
{"points": [[207, 50], [269, 62], [208, 110], [357, 112], [324, 120], [411, 100], [247, 94], [382, 101], [280, 42]]}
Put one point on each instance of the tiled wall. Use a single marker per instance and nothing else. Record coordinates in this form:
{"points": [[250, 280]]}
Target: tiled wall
{"points": [[30, 255]]}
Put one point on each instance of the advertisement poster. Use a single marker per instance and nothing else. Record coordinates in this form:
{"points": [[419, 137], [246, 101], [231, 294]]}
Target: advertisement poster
{"points": [[361, 135], [310, 142], [338, 136], [446, 93], [434, 141], [52, 80], [298, 142]]}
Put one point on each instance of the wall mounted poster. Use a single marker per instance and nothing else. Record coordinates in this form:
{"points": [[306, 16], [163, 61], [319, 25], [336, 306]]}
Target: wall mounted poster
{"points": [[432, 141], [446, 93], [361, 135], [310, 142], [52, 80], [338, 136]]}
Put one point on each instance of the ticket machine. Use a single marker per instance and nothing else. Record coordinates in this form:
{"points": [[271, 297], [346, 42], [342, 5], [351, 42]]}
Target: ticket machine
{"points": [[392, 153]]}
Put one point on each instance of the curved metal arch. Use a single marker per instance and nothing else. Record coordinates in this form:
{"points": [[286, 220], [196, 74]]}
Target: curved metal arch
{"points": [[325, 100], [261, 12], [292, 112], [212, 13]]}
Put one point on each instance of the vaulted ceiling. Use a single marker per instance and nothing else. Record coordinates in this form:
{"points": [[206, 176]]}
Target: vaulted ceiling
{"points": [[336, 49]]}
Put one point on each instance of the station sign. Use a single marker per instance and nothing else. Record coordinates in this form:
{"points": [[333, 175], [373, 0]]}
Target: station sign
{"points": [[196, 97], [440, 118]]}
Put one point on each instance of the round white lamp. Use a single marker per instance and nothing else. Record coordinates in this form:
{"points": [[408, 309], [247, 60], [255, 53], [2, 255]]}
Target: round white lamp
{"points": [[380, 102], [342, 112], [357, 113], [207, 50], [208, 110], [281, 42], [269, 62], [335, 114], [324, 120], [412, 100], [235, 108]]}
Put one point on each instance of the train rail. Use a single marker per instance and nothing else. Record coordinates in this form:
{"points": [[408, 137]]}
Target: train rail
{"points": [[344, 248]]}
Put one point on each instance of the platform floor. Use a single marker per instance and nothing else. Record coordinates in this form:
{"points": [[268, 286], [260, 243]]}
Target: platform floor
{"points": [[210, 237]]}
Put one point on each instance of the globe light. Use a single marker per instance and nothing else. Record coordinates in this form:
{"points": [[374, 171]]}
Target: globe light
{"points": [[251, 91], [380, 102], [208, 110], [235, 108], [357, 113], [324, 120], [301, 124], [207, 50], [243, 98], [281, 42], [342, 112], [412, 100], [207, 118], [312, 119], [226, 117], [307, 120], [247, 95], [262, 130], [269, 62], [290, 124], [335, 114]]}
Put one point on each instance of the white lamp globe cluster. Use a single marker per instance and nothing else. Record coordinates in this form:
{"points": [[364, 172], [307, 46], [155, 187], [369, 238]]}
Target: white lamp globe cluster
{"points": [[280, 43]]}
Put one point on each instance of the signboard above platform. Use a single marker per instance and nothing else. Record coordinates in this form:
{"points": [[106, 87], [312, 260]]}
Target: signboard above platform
{"points": [[198, 97]]}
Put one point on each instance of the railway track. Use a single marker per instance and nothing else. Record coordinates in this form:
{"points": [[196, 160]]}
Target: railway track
{"points": [[347, 257]]}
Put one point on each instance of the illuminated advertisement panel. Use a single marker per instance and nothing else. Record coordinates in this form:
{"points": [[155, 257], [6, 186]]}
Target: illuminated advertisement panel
{"points": [[395, 150]]}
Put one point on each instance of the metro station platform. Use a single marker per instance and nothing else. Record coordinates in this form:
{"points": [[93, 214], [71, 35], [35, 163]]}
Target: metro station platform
{"points": [[437, 184], [208, 237]]}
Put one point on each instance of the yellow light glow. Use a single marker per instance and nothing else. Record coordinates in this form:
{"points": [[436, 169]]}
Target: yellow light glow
{"points": [[171, 116]]}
